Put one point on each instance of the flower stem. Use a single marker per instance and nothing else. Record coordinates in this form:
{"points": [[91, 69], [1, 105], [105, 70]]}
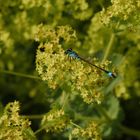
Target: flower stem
{"points": [[19, 74], [70, 137], [101, 4], [33, 116], [75, 124], [130, 131], [111, 42], [124, 129], [39, 130], [109, 46]]}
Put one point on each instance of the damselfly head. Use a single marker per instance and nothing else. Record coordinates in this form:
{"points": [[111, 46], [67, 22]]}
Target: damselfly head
{"points": [[68, 50]]}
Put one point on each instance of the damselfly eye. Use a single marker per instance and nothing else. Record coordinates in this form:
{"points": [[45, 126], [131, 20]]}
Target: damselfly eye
{"points": [[69, 49]]}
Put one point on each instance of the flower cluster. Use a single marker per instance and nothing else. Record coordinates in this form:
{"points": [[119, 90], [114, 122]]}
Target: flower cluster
{"points": [[50, 55], [12, 126], [79, 9], [55, 67], [6, 41], [99, 36], [35, 3], [130, 73], [55, 121], [91, 131], [121, 10]]}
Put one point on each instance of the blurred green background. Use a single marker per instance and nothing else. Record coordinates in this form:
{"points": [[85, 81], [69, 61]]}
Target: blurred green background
{"points": [[105, 29]]}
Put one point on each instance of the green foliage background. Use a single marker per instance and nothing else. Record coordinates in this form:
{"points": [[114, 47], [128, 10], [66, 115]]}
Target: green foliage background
{"points": [[62, 98]]}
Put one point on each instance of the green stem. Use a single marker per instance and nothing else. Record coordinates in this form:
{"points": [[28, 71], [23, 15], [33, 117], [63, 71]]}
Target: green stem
{"points": [[130, 131], [109, 46], [42, 128], [103, 112], [39, 130], [33, 116], [124, 129], [75, 124], [101, 4], [65, 101], [19, 74], [70, 137]]}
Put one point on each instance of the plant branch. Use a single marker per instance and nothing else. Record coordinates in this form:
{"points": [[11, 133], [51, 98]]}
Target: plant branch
{"points": [[33, 116], [75, 124], [39, 130], [19, 74], [130, 131], [124, 129], [109, 46]]}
